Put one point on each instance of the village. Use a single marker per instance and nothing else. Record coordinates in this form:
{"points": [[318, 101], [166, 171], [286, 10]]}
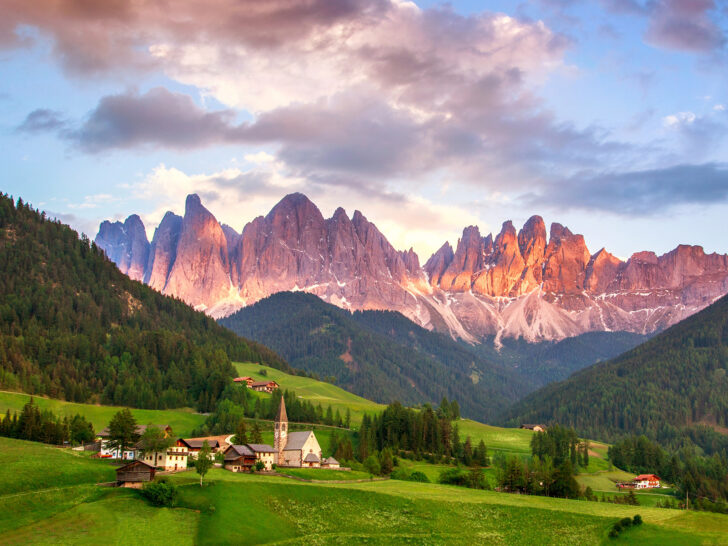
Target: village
{"points": [[298, 449]]}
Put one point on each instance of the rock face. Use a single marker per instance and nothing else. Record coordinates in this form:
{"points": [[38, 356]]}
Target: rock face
{"points": [[126, 245], [518, 284]]}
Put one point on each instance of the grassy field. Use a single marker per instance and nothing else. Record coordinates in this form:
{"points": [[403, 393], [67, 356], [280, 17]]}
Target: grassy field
{"points": [[325, 474], [316, 392], [182, 421], [243, 509]]}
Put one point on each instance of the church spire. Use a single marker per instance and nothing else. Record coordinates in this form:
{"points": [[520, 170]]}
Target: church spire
{"points": [[282, 417]]}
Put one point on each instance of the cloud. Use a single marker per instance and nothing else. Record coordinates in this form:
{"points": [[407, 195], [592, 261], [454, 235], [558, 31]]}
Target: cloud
{"points": [[646, 192], [42, 120], [698, 134], [684, 25]]}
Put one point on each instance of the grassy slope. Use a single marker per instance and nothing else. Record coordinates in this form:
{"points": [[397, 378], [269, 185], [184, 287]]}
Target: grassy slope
{"points": [[314, 391], [182, 421], [284, 509]]}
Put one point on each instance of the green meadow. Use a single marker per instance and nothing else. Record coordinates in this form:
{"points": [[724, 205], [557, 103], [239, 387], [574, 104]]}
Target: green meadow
{"points": [[247, 509]]}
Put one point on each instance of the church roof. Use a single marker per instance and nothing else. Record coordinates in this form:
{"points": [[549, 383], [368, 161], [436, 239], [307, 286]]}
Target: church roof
{"points": [[311, 458], [282, 416], [296, 440]]}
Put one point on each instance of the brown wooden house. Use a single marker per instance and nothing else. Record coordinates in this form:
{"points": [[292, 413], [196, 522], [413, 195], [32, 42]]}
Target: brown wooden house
{"points": [[239, 458], [264, 386], [134, 474]]}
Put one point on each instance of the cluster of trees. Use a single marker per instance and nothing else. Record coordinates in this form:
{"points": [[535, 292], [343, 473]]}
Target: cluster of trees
{"points": [[555, 457], [72, 326], [44, 426], [694, 476], [387, 357], [661, 389], [420, 433], [238, 403]]}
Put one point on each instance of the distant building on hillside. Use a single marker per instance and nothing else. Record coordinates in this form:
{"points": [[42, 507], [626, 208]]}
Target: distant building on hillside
{"points": [[296, 449], [330, 462], [264, 386], [643, 481], [172, 459], [247, 380], [535, 428]]}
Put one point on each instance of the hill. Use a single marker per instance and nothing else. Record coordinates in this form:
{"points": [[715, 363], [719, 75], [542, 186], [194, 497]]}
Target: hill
{"points": [[75, 511], [673, 386], [72, 326], [379, 355]]}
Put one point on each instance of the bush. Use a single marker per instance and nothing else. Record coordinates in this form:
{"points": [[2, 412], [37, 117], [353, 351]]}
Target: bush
{"points": [[160, 492], [259, 465], [418, 476], [372, 465], [455, 476], [626, 522], [637, 520]]}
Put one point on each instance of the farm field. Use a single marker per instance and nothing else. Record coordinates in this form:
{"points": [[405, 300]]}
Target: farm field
{"points": [[78, 512], [316, 392]]}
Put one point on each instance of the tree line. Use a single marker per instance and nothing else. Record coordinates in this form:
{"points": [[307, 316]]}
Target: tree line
{"points": [[37, 425]]}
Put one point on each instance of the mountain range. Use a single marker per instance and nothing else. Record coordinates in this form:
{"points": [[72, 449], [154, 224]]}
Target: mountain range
{"points": [[517, 284]]}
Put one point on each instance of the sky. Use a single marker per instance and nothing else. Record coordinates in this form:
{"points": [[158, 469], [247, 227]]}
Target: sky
{"points": [[608, 116]]}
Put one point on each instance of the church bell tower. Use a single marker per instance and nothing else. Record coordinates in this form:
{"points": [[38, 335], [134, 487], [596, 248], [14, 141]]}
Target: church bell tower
{"points": [[281, 432]]}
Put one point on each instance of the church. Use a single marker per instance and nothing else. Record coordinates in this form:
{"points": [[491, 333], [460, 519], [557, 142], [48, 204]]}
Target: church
{"points": [[295, 449]]}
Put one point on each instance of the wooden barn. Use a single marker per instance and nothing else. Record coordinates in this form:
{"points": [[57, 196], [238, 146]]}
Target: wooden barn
{"points": [[134, 474]]}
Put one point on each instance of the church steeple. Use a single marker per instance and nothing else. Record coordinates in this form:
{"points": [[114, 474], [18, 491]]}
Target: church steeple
{"points": [[281, 431]]}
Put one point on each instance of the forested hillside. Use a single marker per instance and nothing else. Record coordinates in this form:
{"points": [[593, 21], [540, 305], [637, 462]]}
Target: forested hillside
{"points": [[379, 355], [672, 388], [72, 326]]}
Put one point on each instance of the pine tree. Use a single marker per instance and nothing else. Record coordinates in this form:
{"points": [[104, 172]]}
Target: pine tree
{"points": [[241, 433]]}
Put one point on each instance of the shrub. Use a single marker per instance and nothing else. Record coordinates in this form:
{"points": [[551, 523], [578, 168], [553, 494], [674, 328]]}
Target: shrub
{"points": [[259, 465], [637, 520], [455, 476], [418, 476], [160, 492], [372, 465], [626, 522]]}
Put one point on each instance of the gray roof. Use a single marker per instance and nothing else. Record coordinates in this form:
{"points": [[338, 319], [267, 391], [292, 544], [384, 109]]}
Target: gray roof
{"points": [[330, 460], [197, 444], [296, 440], [261, 448], [311, 458], [237, 451]]}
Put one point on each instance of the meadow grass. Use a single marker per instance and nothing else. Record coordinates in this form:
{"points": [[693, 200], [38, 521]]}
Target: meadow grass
{"points": [[509, 440], [325, 474], [316, 392], [182, 420]]}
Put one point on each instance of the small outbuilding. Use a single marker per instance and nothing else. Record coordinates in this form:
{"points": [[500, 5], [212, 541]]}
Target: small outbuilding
{"points": [[311, 460], [330, 462], [134, 474], [535, 428], [264, 386]]}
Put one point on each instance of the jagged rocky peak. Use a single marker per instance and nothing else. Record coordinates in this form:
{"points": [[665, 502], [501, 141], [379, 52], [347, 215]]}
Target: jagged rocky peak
{"points": [[163, 251], [438, 263], [518, 283], [126, 245], [200, 274]]}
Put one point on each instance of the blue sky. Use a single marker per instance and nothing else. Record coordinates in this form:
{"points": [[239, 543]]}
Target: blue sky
{"points": [[609, 116]]}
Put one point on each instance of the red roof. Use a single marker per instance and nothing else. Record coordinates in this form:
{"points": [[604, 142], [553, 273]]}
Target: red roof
{"points": [[649, 477], [240, 379]]}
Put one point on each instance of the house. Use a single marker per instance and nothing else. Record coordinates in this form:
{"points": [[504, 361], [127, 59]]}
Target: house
{"points": [[646, 481], [134, 474], [172, 459], [247, 380], [239, 458], [194, 445], [264, 386], [643, 481], [535, 428], [296, 449], [105, 450], [330, 462]]}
